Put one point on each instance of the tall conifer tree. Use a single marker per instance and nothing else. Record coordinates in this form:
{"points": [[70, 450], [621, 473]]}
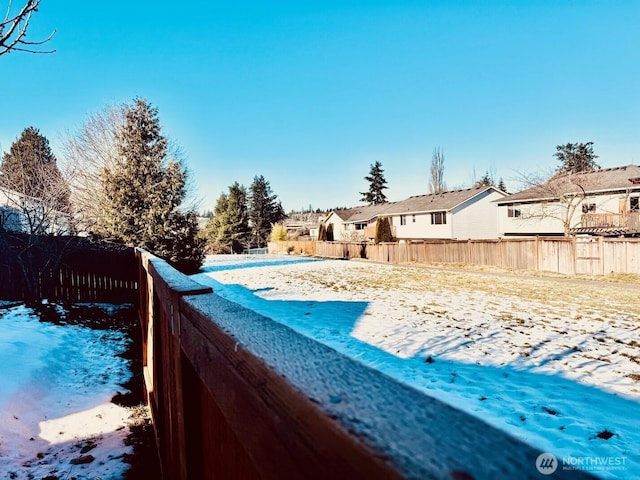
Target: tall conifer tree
{"points": [[377, 183], [143, 191], [264, 210], [576, 158], [228, 229], [30, 168]]}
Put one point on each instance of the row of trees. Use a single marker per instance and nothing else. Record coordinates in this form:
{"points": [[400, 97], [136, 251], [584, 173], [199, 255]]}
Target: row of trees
{"points": [[243, 219], [574, 158], [122, 182]]}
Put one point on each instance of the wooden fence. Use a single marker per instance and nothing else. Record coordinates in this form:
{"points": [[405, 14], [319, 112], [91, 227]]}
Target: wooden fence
{"points": [[235, 395], [577, 255], [296, 247], [65, 268]]}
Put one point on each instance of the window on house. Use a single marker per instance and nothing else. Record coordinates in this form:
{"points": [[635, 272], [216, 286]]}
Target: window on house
{"points": [[403, 220], [360, 226], [634, 204], [588, 207], [513, 211], [438, 218]]}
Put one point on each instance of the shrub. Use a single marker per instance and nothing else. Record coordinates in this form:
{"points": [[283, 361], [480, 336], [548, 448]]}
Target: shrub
{"points": [[278, 232], [383, 230]]}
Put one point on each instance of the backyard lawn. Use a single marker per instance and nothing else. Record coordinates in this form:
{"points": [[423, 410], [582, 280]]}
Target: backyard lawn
{"points": [[552, 360]]}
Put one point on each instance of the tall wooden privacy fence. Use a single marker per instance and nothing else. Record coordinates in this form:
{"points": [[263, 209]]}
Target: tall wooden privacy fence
{"points": [[581, 255], [66, 268], [235, 395]]}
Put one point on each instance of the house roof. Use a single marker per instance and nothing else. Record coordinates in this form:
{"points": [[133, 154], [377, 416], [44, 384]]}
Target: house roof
{"points": [[603, 180], [438, 201], [364, 213], [433, 202]]}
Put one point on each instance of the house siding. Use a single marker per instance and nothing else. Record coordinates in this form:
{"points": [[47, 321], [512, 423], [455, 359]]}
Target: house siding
{"points": [[536, 219], [422, 227], [529, 222], [477, 218]]}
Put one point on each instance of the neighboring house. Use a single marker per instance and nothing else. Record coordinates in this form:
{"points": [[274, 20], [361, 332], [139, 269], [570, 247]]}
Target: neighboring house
{"points": [[11, 218], [21, 213], [303, 226], [355, 224], [460, 214], [602, 202]]}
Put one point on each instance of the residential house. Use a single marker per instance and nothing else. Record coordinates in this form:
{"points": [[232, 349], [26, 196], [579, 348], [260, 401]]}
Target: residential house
{"points": [[602, 202], [22, 213], [11, 218], [303, 226], [459, 214], [352, 223]]}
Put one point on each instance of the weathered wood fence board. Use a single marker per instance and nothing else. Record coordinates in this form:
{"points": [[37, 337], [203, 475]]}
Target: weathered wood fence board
{"points": [[296, 247], [583, 255], [62, 268], [235, 395]]}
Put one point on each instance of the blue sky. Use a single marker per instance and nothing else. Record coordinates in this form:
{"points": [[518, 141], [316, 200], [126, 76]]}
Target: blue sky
{"points": [[310, 94]]}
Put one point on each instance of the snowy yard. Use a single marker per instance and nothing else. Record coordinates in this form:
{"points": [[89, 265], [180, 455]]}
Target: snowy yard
{"points": [[553, 361], [60, 371]]}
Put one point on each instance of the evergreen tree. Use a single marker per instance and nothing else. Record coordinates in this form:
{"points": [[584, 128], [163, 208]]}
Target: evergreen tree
{"points": [[377, 183], [383, 231], [264, 210], [485, 181], [322, 233], [576, 158], [143, 191], [502, 186], [30, 169], [228, 229], [329, 233]]}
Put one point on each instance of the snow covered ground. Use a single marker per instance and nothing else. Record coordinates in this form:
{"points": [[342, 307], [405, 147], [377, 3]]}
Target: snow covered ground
{"points": [[553, 361], [56, 385]]}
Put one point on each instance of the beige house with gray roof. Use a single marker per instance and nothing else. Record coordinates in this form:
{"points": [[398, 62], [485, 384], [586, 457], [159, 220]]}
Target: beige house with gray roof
{"points": [[602, 202]]}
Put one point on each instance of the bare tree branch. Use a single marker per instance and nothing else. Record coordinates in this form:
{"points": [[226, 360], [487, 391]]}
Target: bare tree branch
{"points": [[555, 196], [13, 30]]}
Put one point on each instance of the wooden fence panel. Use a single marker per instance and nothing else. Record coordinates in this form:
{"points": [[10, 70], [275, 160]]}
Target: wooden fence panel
{"points": [[483, 252], [621, 255], [588, 256], [517, 254], [592, 255], [295, 247], [162, 288], [71, 269]]}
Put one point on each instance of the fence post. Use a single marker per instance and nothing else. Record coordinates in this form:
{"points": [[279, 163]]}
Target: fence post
{"points": [[601, 254], [574, 251]]}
